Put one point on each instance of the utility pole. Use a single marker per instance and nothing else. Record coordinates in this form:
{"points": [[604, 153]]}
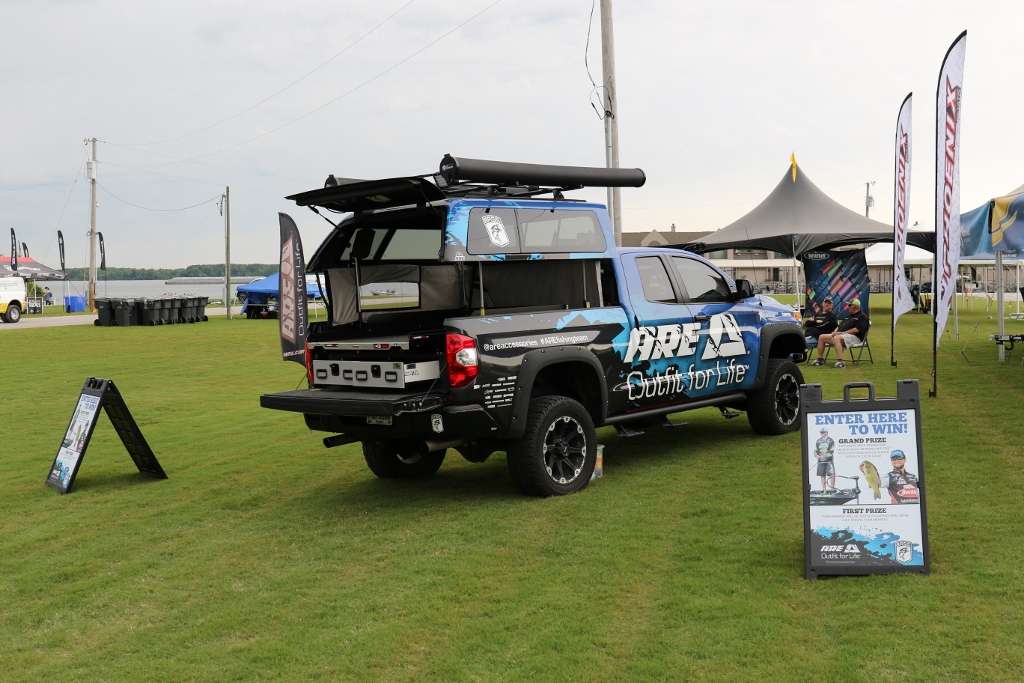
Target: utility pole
{"points": [[225, 209], [611, 114], [869, 201], [92, 223]]}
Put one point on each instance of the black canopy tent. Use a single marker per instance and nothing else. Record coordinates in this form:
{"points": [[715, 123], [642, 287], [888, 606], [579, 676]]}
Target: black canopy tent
{"points": [[30, 269], [797, 217]]}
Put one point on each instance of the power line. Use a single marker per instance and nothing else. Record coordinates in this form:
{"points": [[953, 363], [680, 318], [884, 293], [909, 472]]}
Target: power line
{"points": [[67, 197], [149, 208], [595, 89], [160, 174], [274, 94], [333, 100]]}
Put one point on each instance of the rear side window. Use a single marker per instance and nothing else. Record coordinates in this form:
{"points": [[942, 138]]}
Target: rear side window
{"points": [[493, 231], [562, 230], [654, 277], [701, 282], [399, 244]]}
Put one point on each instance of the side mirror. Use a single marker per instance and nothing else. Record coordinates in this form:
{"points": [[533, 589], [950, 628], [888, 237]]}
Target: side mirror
{"points": [[744, 290]]}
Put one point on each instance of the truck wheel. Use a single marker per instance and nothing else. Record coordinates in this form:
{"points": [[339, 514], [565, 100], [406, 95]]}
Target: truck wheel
{"points": [[394, 460], [13, 313], [556, 453], [775, 407]]}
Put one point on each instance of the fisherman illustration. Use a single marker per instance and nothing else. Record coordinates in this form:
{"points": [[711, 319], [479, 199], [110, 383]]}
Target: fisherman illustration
{"points": [[872, 478], [902, 484], [496, 230], [824, 451]]}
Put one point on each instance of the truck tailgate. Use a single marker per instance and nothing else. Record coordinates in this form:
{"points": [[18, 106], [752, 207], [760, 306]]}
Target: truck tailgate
{"points": [[354, 403]]}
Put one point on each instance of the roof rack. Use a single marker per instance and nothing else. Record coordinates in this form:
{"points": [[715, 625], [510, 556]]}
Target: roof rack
{"points": [[462, 177], [459, 170], [484, 190]]}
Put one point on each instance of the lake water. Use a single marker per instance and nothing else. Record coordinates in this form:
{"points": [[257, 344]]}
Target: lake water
{"points": [[139, 289]]}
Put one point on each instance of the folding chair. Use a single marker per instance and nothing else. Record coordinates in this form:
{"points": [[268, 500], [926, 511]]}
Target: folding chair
{"points": [[856, 350]]}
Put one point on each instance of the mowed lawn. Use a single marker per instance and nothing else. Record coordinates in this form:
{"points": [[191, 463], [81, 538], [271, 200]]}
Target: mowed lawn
{"points": [[265, 555]]}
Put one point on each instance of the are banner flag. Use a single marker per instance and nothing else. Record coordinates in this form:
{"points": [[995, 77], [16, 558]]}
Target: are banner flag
{"points": [[103, 252], [14, 251], [948, 121], [293, 316]]}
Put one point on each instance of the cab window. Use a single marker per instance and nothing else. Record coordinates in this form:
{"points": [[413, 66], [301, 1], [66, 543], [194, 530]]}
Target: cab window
{"points": [[701, 282], [655, 280]]}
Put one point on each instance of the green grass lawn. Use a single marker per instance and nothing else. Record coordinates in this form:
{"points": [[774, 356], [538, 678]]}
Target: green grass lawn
{"points": [[265, 555]]}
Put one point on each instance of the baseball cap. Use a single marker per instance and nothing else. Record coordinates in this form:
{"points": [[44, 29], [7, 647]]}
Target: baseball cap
{"points": [[855, 302], [897, 455]]}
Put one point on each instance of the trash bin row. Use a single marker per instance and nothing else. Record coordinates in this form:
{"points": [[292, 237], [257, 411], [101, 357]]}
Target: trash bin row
{"points": [[126, 312]]}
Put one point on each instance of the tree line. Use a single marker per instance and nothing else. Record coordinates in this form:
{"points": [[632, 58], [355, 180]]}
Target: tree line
{"points": [[199, 270]]}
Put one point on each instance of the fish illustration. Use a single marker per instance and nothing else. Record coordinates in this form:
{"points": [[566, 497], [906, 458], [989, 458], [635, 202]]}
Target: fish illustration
{"points": [[871, 477]]}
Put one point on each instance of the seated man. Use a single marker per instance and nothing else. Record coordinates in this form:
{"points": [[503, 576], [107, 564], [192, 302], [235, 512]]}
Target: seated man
{"points": [[823, 322], [850, 333]]}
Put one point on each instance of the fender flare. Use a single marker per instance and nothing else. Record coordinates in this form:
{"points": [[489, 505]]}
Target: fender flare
{"points": [[535, 361], [769, 333]]}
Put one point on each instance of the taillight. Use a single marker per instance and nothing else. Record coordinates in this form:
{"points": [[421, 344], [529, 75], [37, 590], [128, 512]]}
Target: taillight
{"points": [[463, 364], [309, 365]]}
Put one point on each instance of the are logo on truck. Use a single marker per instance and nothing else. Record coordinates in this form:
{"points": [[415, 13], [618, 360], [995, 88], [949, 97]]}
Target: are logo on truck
{"points": [[680, 340]]}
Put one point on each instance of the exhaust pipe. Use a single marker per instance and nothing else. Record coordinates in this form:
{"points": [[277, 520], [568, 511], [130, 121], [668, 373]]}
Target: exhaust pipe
{"points": [[432, 446]]}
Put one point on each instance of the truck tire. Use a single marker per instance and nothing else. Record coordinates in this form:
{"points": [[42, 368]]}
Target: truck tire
{"points": [[775, 407], [556, 453], [394, 460], [13, 313]]}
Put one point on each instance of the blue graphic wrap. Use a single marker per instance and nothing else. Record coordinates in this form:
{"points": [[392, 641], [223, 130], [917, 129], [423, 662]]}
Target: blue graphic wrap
{"points": [[881, 546]]}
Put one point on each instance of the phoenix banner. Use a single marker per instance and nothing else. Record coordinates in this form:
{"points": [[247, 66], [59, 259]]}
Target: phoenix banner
{"points": [[948, 119], [293, 317], [902, 301]]}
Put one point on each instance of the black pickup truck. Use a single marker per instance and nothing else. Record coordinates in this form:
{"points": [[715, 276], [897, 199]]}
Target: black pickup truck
{"points": [[468, 311]]}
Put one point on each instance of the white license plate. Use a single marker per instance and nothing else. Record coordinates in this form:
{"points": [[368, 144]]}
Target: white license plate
{"points": [[378, 420]]}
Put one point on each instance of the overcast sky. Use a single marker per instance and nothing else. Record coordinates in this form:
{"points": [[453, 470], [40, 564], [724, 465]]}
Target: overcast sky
{"points": [[713, 97]]}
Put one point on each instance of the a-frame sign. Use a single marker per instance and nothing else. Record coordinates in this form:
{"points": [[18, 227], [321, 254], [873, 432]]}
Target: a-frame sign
{"points": [[99, 393]]}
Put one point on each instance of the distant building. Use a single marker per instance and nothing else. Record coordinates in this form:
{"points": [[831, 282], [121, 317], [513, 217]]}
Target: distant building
{"points": [[659, 238], [757, 265]]}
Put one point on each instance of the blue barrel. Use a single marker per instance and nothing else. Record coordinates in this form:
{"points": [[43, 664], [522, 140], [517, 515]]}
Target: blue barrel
{"points": [[74, 304]]}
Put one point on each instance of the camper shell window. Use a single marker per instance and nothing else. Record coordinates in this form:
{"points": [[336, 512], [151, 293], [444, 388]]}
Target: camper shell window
{"points": [[398, 235], [534, 231], [493, 231], [545, 231]]}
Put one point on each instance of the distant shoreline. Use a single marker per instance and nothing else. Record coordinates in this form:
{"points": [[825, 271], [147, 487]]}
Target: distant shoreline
{"points": [[212, 270]]}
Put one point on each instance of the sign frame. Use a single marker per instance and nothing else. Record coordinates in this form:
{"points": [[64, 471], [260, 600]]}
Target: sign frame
{"points": [[907, 398], [110, 401]]}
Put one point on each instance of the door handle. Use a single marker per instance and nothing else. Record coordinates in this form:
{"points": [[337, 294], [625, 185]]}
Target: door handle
{"points": [[702, 318]]}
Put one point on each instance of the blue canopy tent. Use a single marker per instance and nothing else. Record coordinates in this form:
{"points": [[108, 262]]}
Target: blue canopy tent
{"points": [[992, 231], [261, 295]]}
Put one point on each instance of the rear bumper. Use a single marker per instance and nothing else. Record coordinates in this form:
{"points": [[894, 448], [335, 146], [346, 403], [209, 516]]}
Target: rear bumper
{"points": [[350, 403], [412, 415]]}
